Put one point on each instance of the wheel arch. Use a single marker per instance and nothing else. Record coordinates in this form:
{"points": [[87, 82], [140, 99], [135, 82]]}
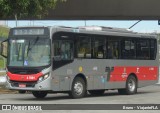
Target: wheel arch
{"points": [[81, 75]]}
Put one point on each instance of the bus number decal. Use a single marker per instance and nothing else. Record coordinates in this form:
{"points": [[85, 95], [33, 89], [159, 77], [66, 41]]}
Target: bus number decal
{"points": [[31, 78], [137, 70]]}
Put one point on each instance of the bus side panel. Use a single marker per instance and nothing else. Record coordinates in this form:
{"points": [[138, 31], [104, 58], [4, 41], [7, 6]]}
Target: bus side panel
{"points": [[97, 77], [146, 83], [99, 82], [94, 73], [121, 73], [60, 82], [146, 71], [55, 82], [64, 83]]}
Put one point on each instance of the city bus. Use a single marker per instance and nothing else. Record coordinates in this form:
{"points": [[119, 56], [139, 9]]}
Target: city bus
{"points": [[79, 60]]}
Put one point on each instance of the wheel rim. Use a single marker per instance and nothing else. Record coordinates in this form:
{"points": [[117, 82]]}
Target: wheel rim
{"points": [[78, 88], [131, 85]]}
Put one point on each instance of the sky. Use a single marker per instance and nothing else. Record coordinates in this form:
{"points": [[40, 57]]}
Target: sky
{"points": [[144, 26]]}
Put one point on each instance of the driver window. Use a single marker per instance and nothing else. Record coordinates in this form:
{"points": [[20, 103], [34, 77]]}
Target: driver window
{"points": [[63, 50]]}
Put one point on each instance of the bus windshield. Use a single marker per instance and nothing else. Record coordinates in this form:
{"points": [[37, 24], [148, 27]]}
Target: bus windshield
{"points": [[29, 52]]}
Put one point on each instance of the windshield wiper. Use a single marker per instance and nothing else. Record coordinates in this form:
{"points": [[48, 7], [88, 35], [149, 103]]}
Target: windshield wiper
{"points": [[30, 48]]}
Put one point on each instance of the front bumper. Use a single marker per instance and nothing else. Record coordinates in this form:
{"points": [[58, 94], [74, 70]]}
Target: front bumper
{"points": [[44, 85]]}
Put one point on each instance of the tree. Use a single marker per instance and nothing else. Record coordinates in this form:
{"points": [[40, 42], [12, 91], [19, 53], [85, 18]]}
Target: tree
{"points": [[26, 8], [3, 32]]}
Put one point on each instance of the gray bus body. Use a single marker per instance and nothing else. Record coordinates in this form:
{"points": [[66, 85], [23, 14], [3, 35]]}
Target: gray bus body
{"points": [[98, 73]]}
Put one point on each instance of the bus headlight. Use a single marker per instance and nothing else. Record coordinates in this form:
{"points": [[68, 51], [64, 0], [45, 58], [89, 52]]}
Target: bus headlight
{"points": [[43, 77], [46, 76]]}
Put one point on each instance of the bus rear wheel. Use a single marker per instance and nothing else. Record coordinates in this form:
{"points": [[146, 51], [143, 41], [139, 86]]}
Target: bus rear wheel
{"points": [[39, 94], [131, 86], [78, 88], [96, 92]]}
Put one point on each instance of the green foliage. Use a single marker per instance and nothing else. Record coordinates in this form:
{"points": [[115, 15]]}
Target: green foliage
{"points": [[2, 65], [4, 32], [26, 8]]}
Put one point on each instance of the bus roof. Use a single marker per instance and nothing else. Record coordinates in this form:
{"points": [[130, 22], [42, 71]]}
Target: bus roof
{"points": [[99, 30]]}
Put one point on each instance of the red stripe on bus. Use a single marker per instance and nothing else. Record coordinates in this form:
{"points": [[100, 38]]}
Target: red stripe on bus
{"points": [[143, 73], [21, 77]]}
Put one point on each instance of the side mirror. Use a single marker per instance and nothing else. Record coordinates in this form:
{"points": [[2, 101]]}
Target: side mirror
{"points": [[4, 48]]}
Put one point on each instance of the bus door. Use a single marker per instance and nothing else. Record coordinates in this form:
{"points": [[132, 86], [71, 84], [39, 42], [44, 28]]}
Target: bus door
{"points": [[63, 55]]}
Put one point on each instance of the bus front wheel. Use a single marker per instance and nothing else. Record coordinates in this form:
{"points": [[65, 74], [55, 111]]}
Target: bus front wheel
{"points": [[39, 94], [78, 88]]}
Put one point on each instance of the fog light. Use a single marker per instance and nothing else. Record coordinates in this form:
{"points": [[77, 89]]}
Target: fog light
{"points": [[40, 79]]}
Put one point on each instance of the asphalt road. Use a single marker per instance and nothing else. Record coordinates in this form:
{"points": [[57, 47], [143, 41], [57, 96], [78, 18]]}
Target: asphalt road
{"points": [[145, 95]]}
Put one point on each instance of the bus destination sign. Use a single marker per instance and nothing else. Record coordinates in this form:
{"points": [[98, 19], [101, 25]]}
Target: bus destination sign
{"points": [[28, 31]]}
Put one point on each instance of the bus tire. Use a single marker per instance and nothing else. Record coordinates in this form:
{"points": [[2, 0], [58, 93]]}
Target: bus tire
{"points": [[78, 89], [131, 86], [96, 92], [39, 94]]}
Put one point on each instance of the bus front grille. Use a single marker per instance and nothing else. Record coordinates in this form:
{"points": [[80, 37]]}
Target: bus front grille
{"points": [[27, 84]]}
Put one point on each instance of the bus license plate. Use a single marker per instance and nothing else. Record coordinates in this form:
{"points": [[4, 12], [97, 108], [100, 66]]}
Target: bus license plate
{"points": [[22, 85]]}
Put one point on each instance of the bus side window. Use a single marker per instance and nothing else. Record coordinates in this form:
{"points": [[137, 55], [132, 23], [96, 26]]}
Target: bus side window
{"points": [[128, 48], [153, 50], [63, 50], [143, 49], [84, 47], [67, 50], [113, 51], [98, 47]]}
